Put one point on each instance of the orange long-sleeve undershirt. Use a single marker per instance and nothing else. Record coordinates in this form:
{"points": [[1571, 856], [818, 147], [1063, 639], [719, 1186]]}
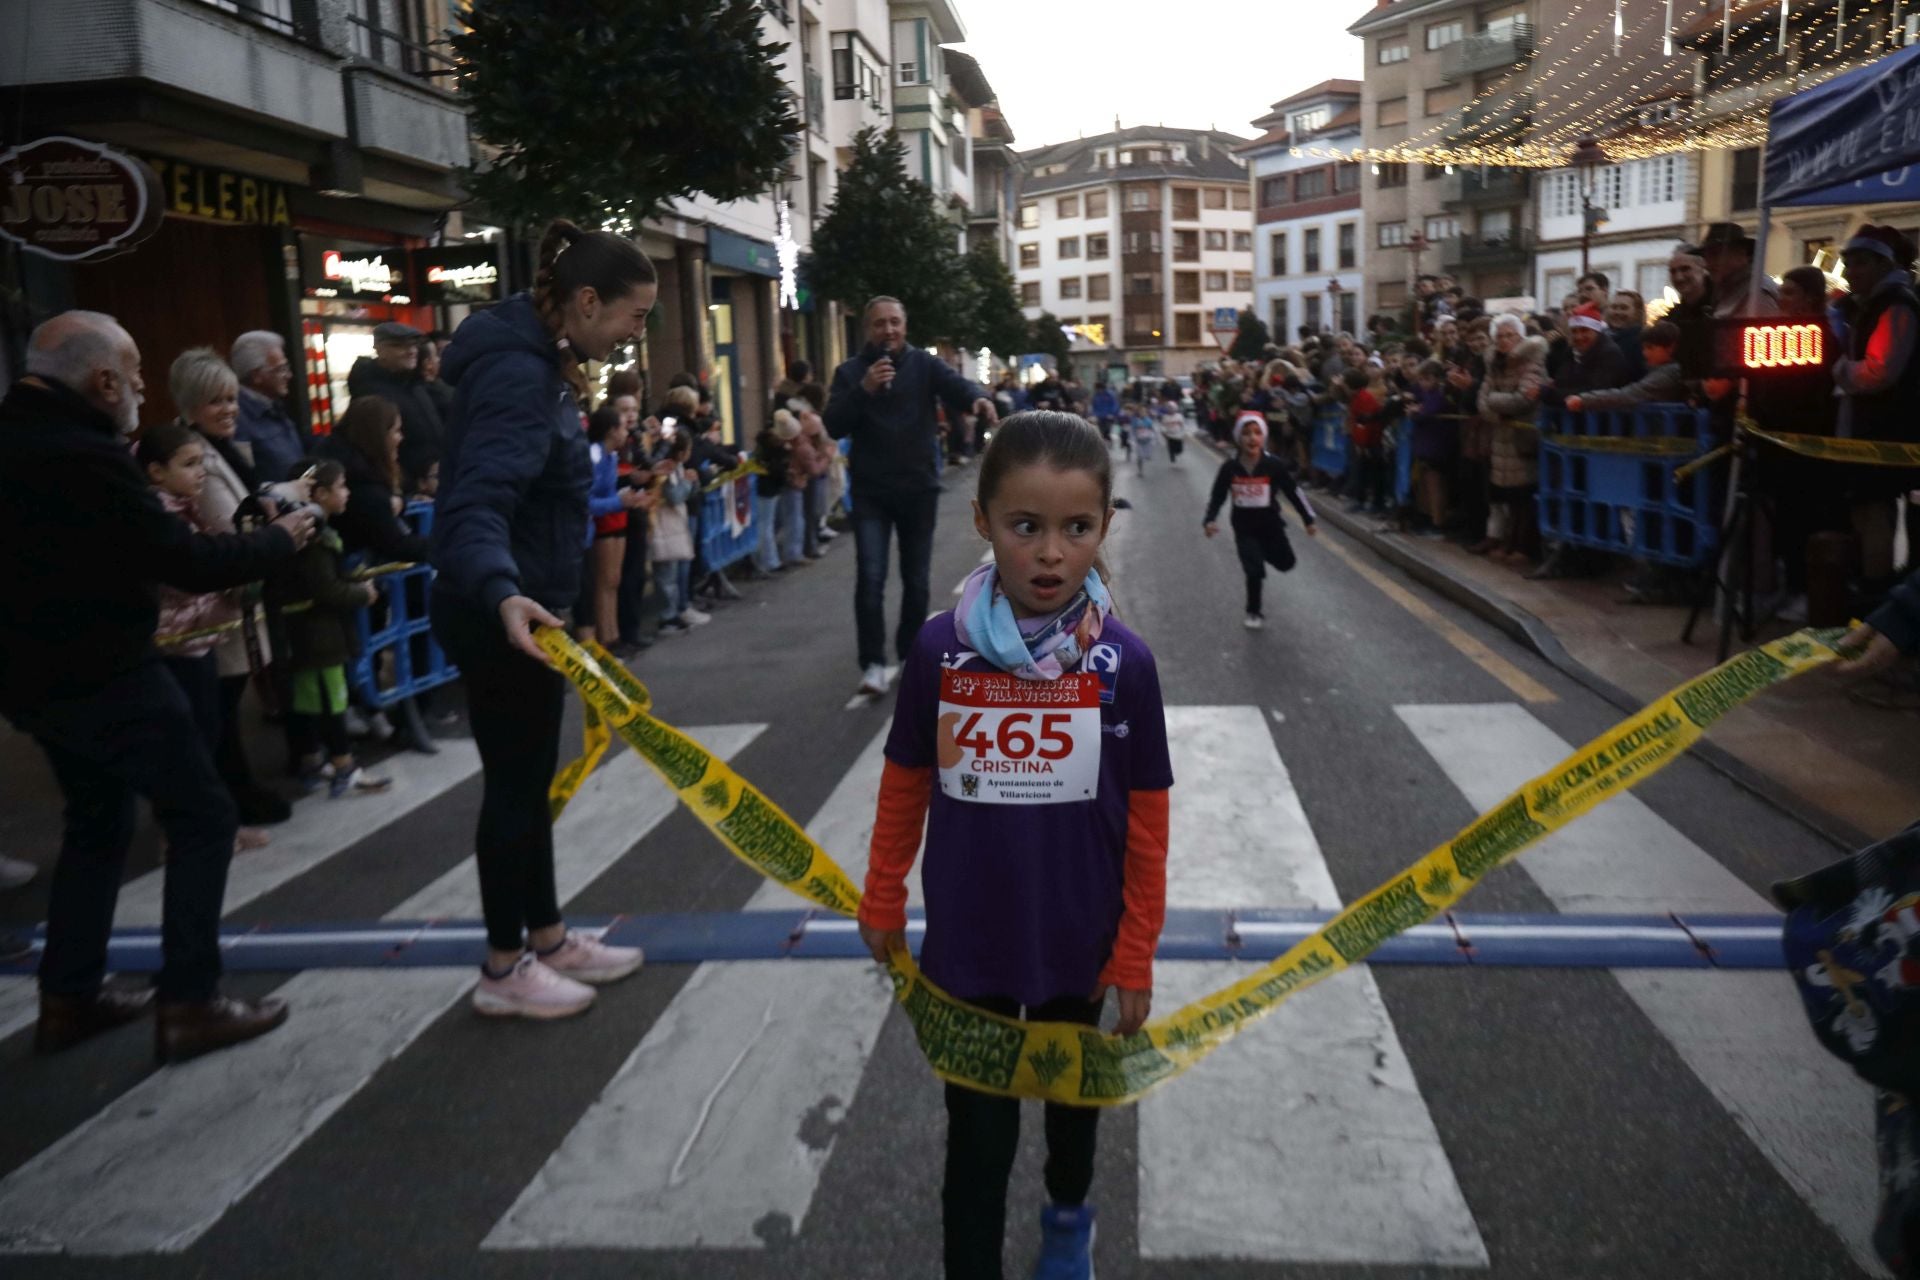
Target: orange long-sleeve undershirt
{"points": [[901, 815]]}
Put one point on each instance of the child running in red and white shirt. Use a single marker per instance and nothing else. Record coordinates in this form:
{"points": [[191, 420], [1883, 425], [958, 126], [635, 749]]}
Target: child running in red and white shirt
{"points": [[1257, 479], [1045, 888]]}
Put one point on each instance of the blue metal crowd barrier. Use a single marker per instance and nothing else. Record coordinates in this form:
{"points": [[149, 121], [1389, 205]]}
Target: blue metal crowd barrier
{"points": [[721, 543], [418, 664], [1607, 481], [1403, 462], [1330, 440]]}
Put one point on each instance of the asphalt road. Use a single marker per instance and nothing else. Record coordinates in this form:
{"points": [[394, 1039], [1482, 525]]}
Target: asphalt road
{"points": [[776, 1120]]}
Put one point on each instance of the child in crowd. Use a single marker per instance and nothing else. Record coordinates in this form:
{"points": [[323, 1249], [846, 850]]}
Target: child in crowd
{"points": [[1366, 416], [608, 505], [671, 541], [1141, 425], [427, 483], [174, 457], [1257, 479], [324, 637], [1173, 427], [774, 452], [1434, 438], [1663, 382], [1086, 863]]}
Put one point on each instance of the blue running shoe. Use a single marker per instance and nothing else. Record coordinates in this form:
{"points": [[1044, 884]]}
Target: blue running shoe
{"points": [[1066, 1243]]}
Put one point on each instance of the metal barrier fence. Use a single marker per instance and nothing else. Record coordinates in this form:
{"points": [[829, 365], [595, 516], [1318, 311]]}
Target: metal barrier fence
{"points": [[729, 513], [1329, 452], [417, 662], [1607, 480]]}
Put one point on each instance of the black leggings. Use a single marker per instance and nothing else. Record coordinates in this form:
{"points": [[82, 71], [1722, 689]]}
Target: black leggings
{"points": [[1257, 551], [515, 706], [983, 1134]]}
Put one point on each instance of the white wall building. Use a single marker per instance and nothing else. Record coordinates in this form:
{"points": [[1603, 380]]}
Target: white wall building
{"points": [[1309, 233], [1646, 210]]}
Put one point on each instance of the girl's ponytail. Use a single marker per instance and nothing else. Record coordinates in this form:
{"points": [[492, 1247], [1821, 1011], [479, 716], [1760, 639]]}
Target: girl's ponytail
{"points": [[570, 259]]}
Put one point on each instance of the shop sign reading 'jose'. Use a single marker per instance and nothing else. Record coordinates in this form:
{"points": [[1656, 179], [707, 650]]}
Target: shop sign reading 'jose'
{"points": [[73, 200]]}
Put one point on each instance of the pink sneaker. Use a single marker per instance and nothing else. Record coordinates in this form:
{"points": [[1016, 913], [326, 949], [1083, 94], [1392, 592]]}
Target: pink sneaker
{"points": [[530, 990], [584, 958]]}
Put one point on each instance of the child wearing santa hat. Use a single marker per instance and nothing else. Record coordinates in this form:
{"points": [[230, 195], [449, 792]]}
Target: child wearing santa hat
{"points": [[1257, 479]]}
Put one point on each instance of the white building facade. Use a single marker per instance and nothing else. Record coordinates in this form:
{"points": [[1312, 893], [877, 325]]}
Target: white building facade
{"points": [[1645, 203], [1309, 231]]}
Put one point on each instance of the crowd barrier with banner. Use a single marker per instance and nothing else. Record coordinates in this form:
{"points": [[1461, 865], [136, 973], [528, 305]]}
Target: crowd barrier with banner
{"points": [[1609, 480], [729, 510]]}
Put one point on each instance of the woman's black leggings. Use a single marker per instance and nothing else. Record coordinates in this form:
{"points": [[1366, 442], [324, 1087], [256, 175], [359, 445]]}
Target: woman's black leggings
{"points": [[983, 1134], [515, 706]]}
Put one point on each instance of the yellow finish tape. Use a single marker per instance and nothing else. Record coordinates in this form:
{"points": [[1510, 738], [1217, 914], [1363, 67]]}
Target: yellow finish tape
{"points": [[750, 468], [598, 736], [1873, 453], [1656, 446], [1078, 1065]]}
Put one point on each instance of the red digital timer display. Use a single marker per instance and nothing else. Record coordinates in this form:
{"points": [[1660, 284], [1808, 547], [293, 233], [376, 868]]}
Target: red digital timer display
{"points": [[1782, 346]]}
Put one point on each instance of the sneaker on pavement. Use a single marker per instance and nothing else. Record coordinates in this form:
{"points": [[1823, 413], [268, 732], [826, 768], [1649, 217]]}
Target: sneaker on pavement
{"points": [[380, 727], [530, 990], [14, 872], [584, 958], [694, 617], [827, 534], [1254, 622], [874, 680], [674, 627], [1066, 1243], [357, 782]]}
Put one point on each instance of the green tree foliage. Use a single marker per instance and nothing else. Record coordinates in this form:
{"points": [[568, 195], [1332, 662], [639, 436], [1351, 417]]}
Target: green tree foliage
{"points": [[1251, 342], [884, 234], [1048, 339], [604, 110], [998, 321]]}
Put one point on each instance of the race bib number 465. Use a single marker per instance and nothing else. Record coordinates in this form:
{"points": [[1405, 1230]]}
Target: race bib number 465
{"points": [[1004, 740]]}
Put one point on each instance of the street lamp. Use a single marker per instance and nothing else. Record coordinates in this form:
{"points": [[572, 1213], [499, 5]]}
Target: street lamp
{"points": [[1586, 159]]}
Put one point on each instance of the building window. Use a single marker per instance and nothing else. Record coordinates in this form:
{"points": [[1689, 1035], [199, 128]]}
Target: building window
{"points": [[1096, 204], [1391, 111], [1392, 174], [1389, 234], [1388, 54], [1242, 198], [1143, 285], [1216, 241], [1139, 199], [1349, 234], [1746, 178], [1100, 328], [1140, 325], [1243, 242], [1142, 241], [1310, 311], [1310, 184], [1029, 293], [1186, 328], [1029, 255], [1067, 207], [1097, 247], [1099, 288], [1349, 312], [1428, 172], [1442, 34], [1439, 101], [1216, 282], [1310, 250], [1273, 191], [1650, 279], [1029, 216], [1214, 198], [1069, 246], [1186, 204], [1186, 245], [1346, 178], [1442, 226], [1279, 319], [1308, 121], [1070, 288], [1186, 286], [1243, 282], [1069, 322], [1277, 253]]}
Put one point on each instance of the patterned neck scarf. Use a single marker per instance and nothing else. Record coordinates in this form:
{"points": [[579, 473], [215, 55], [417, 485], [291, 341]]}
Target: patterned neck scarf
{"points": [[1036, 648]]}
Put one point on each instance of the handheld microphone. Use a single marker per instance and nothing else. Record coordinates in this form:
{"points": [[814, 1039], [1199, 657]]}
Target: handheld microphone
{"points": [[873, 353]]}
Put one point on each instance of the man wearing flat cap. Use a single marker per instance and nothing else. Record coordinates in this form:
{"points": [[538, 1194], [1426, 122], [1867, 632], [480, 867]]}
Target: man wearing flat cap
{"points": [[393, 372], [1728, 251]]}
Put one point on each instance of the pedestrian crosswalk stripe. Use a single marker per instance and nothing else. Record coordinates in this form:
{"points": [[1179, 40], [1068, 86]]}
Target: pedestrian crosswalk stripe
{"points": [[1350, 1168], [703, 1135], [319, 829], [1742, 1034], [157, 1167]]}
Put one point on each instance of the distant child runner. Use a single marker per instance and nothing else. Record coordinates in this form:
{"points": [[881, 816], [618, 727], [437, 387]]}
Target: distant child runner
{"points": [[1043, 889], [324, 640], [1256, 479], [1140, 421], [1173, 427]]}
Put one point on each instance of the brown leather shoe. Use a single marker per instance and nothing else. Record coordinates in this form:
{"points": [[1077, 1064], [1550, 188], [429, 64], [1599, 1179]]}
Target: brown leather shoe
{"points": [[187, 1030], [67, 1020]]}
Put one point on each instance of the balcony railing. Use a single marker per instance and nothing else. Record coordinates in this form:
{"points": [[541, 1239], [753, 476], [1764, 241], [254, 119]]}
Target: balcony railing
{"points": [[402, 51], [1490, 51], [1475, 186], [1498, 249], [275, 15]]}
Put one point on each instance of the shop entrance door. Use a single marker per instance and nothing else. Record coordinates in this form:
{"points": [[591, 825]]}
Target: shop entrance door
{"points": [[725, 384]]}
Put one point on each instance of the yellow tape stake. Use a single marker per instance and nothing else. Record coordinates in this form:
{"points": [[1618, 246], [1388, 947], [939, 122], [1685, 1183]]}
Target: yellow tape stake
{"points": [[1063, 1062]]}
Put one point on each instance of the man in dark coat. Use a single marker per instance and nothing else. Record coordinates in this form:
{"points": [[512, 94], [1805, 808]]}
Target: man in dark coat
{"points": [[393, 371], [884, 398], [89, 545]]}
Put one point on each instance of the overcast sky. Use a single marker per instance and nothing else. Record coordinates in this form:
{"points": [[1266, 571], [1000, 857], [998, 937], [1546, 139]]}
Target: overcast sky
{"points": [[1065, 67]]}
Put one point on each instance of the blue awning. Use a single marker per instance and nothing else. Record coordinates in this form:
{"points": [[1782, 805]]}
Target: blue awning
{"points": [[1853, 140]]}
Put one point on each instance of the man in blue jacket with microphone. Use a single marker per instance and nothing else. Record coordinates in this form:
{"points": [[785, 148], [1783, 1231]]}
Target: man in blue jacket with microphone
{"points": [[884, 399]]}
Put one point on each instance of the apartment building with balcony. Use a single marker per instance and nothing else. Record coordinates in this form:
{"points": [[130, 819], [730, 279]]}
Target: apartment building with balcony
{"points": [[1309, 233], [992, 161], [1137, 236], [1437, 73], [931, 102], [290, 136]]}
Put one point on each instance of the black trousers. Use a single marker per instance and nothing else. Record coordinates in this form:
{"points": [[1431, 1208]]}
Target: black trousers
{"points": [[633, 578], [515, 706], [134, 736], [983, 1134], [876, 518], [1257, 551]]}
